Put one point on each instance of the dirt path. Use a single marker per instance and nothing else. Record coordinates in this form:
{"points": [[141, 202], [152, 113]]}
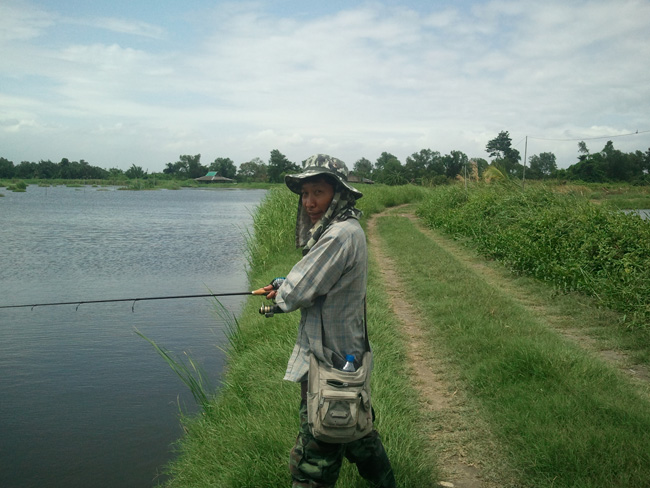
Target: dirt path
{"points": [[438, 397], [457, 435]]}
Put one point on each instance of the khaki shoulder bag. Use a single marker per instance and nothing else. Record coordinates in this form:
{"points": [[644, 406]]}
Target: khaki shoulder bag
{"points": [[339, 406]]}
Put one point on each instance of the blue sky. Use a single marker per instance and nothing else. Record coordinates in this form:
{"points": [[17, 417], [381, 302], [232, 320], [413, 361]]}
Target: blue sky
{"points": [[141, 82]]}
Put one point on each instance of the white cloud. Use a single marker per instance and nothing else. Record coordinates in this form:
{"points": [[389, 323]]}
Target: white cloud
{"points": [[358, 81], [19, 22]]}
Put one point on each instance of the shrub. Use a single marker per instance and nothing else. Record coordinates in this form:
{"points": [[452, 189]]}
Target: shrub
{"points": [[562, 239]]}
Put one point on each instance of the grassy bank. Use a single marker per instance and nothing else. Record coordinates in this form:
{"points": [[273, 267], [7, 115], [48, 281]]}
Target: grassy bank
{"points": [[560, 416], [549, 412], [560, 238], [244, 436]]}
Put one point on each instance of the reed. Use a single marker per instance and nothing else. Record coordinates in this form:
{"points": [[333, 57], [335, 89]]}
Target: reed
{"points": [[187, 370]]}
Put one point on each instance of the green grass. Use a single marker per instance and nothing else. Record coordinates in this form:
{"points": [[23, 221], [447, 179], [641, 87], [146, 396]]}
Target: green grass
{"points": [[552, 413], [566, 419], [562, 239], [243, 437]]}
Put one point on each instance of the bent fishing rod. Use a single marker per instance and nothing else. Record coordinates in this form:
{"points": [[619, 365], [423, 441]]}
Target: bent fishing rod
{"points": [[260, 291]]}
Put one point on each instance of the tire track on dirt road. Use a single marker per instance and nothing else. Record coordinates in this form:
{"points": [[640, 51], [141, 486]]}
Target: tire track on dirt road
{"points": [[445, 407]]}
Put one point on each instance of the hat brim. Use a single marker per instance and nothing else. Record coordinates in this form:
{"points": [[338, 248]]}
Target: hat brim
{"points": [[294, 182]]}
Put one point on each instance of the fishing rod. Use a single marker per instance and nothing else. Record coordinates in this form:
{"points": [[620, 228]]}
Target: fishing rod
{"points": [[260, 291]]}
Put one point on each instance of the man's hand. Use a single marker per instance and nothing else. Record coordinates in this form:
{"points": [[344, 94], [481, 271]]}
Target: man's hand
{"points": [[271, 293], [272, 287]]}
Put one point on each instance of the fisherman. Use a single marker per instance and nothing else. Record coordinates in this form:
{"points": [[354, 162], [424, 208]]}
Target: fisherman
{"points": [[328, 285]]}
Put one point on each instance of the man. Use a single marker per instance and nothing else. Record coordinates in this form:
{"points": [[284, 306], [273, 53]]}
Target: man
{"points": [[328, 285]]}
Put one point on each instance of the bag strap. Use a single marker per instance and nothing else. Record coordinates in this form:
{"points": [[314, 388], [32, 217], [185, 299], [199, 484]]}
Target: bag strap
{"points": [[365, 324]]}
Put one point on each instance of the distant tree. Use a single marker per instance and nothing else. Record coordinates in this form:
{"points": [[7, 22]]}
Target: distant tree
{"points": [[590, 169], [65, 171], [194, 167], [389, 170], [582, 149], [187, 166], [6, 168], [610, 164], [224, 167], [279, 166], [542, 166], [423, 164], [135, 172], [25, 169], [363, 168], [46, 169], [500, 148], [253, 170], [454, 163], [171, 169], [84, 170]]}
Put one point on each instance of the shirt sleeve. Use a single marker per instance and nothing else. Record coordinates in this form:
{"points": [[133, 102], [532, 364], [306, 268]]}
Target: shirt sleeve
{"points": [[315, 274]]}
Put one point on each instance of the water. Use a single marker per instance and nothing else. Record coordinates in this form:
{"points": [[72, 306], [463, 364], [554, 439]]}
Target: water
{"points": [[84, 400]]}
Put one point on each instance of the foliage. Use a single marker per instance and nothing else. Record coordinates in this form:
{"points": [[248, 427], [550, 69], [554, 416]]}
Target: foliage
{"points": [[6, 168], [610, 165], [553, 413], [562, 239], [224, 167], [542, 166], [279, 166], [187, 167], [500, 148], [189, 372], [363, 168], [135, 172], [19, 186], [253, 170], [389, 170], [425, 167]]}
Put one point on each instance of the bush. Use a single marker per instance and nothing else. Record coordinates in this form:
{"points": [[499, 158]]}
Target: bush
{"points": [[558, 238]]}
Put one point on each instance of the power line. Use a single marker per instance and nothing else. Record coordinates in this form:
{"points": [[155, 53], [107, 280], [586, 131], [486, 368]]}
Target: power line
{"points": [[588, 138]]}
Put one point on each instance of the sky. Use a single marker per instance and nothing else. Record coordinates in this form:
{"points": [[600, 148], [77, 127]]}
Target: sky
{"points": [[142, 82]]}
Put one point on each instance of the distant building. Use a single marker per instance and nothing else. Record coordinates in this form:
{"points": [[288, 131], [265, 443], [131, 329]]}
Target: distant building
{"points": [[213, 177], [359, 179]]}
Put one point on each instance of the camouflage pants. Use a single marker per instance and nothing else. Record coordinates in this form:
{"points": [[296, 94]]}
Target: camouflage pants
{"points": [[316, 464]]}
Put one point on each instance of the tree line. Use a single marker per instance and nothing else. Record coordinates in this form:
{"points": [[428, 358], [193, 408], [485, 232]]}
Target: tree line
{"points": [[423, 167]]}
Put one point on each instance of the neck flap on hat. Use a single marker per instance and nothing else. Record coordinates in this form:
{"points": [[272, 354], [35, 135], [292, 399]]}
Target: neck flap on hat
{"points": [[341, 208]]}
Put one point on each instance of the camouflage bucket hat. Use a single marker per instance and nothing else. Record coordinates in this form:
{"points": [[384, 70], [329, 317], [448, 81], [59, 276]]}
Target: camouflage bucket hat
{"points": [[321, 164]]}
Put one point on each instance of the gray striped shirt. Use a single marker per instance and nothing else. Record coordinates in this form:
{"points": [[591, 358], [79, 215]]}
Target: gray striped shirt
{"points": [[328, 285]]}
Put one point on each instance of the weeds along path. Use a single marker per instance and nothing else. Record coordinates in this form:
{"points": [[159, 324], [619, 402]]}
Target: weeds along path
{"points": [[467, 451], [567, 320]]}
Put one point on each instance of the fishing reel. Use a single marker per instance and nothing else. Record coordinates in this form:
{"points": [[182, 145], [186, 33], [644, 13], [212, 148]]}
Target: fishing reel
{"points": [[270, 310]]}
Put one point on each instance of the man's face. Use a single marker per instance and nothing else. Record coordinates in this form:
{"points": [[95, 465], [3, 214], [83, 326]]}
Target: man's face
{"points": [[316, 198]]}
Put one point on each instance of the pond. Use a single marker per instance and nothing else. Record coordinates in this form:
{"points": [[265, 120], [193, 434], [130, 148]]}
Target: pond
{"points": [[85, 400]]}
